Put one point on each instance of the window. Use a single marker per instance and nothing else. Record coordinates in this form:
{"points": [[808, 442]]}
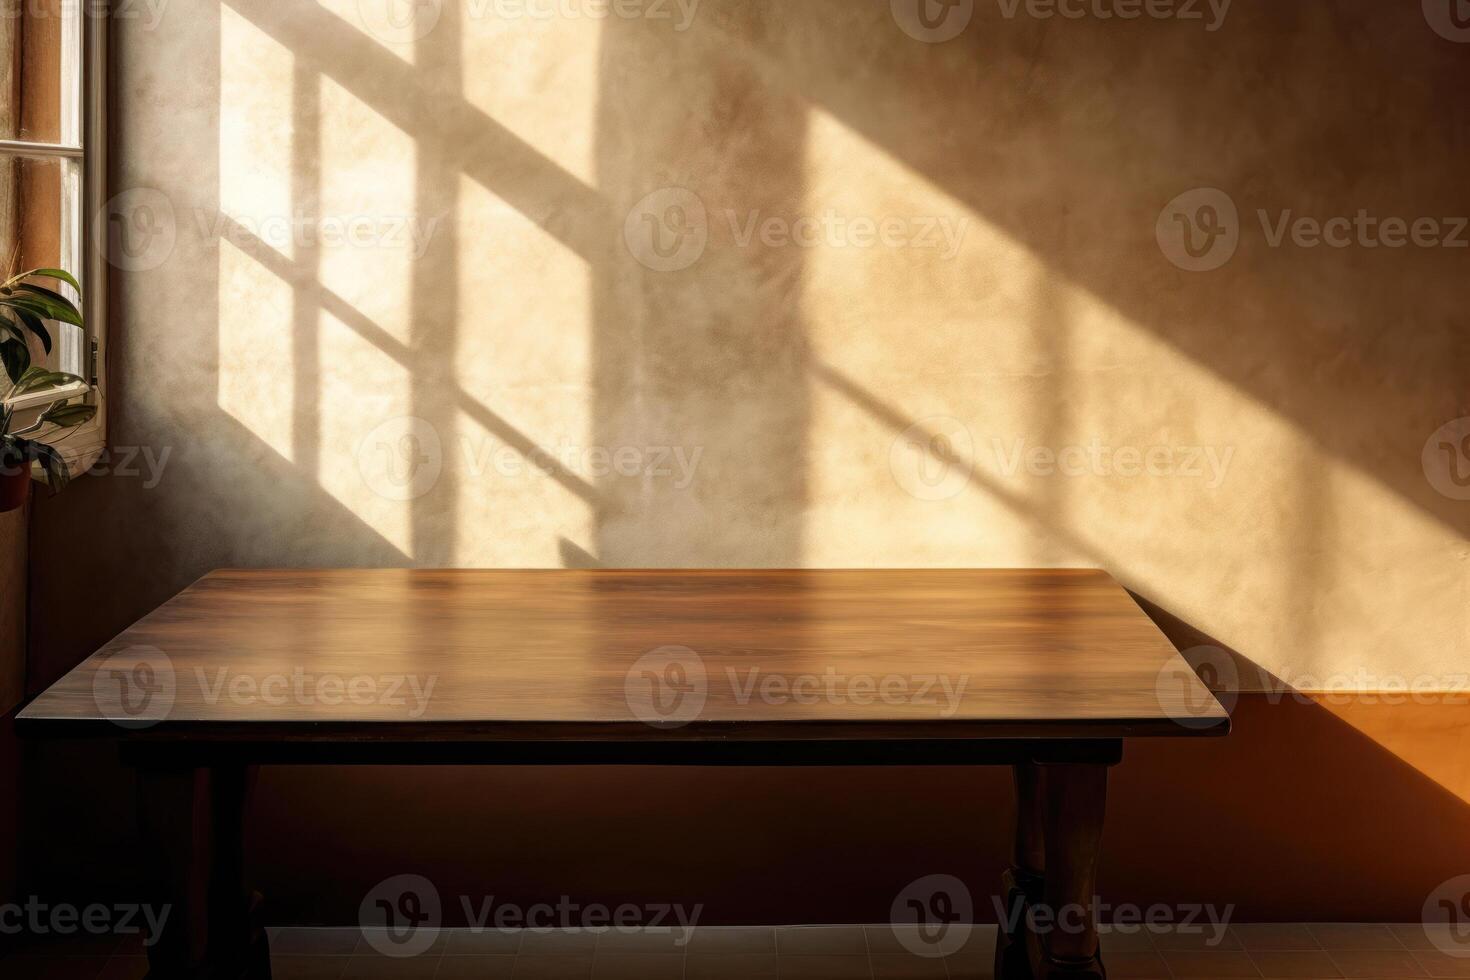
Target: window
{"points": [[52, 176]]}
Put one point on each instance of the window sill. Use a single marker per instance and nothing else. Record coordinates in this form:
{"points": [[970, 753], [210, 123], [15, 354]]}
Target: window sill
{"points": [[37, 399]]}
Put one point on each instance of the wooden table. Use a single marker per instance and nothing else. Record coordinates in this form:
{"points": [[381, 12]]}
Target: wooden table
{"points": [[1043, 670]]}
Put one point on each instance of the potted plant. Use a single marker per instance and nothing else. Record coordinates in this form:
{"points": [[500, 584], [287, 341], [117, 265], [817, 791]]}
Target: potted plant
{"points": [[24, 307]]}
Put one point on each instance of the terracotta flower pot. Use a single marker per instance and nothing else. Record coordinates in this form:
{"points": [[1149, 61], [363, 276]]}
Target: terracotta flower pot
{"points": [[15, 483]]}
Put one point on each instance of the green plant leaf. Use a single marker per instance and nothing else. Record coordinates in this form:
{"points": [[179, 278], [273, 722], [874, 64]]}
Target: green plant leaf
{"points": [[67, 416], [57, 475], [37, 378], [12, 328], [35, 371], [61, 274], [16, 357], [34, 325], [38, 306], [63, 308]]}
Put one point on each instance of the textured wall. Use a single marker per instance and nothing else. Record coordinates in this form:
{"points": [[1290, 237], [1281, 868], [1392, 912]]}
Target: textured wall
{"points": [[1303, 381], [493, 289]]}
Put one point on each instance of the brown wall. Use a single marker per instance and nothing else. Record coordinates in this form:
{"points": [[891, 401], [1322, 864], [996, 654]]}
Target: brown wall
{"points": [[813, 381]]}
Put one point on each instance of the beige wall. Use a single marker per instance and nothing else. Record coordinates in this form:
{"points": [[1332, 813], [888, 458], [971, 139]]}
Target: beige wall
{"points": [[1047, 146], [852, 403]]}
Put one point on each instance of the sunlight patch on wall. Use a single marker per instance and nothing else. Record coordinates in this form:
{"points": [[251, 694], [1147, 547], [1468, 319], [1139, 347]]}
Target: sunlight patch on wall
{"points": [[917, 314], [376, 459], [255, 305], [256, 127], [366, 232], [255, 348], [525, 349], [1432, 736], [524, 354], [538, 77], [521, 504], [974, 407]]}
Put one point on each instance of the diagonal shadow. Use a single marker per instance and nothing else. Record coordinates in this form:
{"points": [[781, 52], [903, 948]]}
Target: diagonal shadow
{"points": [[446, 128], [1079, 180], [896, 422], [301, 277]]}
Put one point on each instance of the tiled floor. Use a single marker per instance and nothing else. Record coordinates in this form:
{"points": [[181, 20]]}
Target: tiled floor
{"points": [[1256, 952]]}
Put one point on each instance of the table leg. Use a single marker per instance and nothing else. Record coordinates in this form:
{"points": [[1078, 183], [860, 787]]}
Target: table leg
{"points": [[1021, 883], [192, 822], [1067, 946]]}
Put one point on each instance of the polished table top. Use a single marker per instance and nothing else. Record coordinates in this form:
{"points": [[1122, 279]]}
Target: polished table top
{"points": [[634, 654]]}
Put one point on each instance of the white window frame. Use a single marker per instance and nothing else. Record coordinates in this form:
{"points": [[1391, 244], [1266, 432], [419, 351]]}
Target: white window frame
{"points": [[83, 138]]}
